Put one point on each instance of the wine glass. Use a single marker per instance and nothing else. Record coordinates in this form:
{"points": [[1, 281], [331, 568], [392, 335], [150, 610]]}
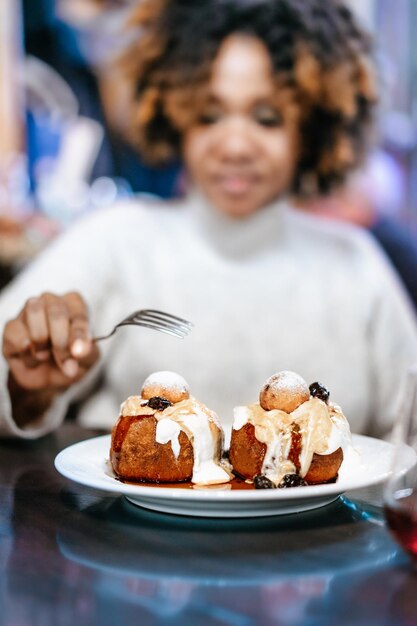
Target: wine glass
{"points": [[400, 491]]}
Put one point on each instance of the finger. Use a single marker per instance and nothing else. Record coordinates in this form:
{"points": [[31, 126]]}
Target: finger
{"points": [[86, 362], [29, 378], [29, 371], [80, 341], [57, 316], [16, 339], [57, 324], [43, 376], [34, 316], [18, 351], [69, 367]]}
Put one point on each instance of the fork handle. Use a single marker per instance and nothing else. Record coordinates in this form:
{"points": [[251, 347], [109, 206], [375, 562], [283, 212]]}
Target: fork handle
{"points": [[95, 339]]}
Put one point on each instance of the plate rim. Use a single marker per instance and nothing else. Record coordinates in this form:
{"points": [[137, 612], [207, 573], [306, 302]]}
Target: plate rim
{"points": [[212, 495]]}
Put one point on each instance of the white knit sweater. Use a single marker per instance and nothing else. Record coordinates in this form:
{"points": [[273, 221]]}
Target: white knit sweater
{"points": [[278, 290]]}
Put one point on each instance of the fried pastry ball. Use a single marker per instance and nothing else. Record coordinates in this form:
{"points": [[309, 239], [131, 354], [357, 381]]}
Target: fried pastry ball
{"points": [[284, 391], [294, 436], [168, 385], [166, 435]]}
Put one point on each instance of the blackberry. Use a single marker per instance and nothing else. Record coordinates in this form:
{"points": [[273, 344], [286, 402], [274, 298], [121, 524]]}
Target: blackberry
{"points": [[226, 455], [292, 480], [262, 482], [159, 404], [319, 391]]}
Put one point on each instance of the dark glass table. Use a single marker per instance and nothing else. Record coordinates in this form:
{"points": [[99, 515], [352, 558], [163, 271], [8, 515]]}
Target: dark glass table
{"points": [[71, 555]]}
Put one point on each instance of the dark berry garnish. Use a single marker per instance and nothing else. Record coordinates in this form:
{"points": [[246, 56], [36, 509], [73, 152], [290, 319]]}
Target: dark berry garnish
{"points": [[292, 480], [318, 390], [159, 404], [262, 482], [226, 455]]}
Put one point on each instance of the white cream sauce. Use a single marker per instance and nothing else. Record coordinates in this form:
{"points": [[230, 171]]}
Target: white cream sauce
{"points": [[202, 427], [323, 429]]}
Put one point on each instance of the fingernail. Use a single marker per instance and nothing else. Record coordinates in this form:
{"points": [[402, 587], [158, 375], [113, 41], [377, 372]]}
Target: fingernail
{"points": [[79, 348], [33, 302], [70, 368]]}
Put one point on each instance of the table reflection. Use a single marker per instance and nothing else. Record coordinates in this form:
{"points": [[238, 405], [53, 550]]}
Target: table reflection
{"points": [[183, 567], [73, 555]]}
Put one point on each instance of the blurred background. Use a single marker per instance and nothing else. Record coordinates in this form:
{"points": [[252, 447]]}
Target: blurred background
{"points": [[62, 152]]}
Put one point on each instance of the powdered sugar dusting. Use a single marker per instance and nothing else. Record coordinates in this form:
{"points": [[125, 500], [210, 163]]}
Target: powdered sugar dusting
{"points": [[284, 391], [168, 380], [288, 381]]}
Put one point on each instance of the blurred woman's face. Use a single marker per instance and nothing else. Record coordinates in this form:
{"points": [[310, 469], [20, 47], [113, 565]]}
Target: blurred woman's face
{"points": [[242, 152]]}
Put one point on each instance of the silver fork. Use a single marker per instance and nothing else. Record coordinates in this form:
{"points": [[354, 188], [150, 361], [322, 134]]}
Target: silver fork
{"points": [[157, 320]]}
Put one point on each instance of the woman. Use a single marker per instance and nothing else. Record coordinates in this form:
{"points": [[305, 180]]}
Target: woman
{"points": [[263, 99]]}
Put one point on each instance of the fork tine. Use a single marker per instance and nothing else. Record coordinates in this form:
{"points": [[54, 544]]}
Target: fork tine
{"points": [[156, 320], [166, 317], [160, 322], [164, 328]]}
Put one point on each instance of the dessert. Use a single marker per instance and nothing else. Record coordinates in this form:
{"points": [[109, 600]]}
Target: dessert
{"points": [[294, 436], [166, 435]]}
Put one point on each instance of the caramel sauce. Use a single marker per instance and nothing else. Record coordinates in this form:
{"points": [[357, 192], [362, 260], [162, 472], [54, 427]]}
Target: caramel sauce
{"points": [[236, 484], [296, 445]]}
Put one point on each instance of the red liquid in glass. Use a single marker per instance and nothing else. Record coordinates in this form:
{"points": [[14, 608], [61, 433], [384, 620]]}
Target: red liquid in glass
{"points": [[402, 521]]}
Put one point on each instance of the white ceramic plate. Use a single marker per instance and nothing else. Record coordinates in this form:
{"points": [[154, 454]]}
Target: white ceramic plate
{"points": [[87, 464]]}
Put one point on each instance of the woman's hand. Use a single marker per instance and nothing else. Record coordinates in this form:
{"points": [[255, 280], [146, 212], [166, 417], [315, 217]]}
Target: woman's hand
{"points": [[48, 347]]}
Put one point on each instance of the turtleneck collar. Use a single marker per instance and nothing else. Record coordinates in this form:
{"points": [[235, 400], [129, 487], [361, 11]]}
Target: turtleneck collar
{"points": [[237, 237]]}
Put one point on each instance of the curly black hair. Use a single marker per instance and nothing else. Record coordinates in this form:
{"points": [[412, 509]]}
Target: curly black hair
{"points": [[318, 52]]}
